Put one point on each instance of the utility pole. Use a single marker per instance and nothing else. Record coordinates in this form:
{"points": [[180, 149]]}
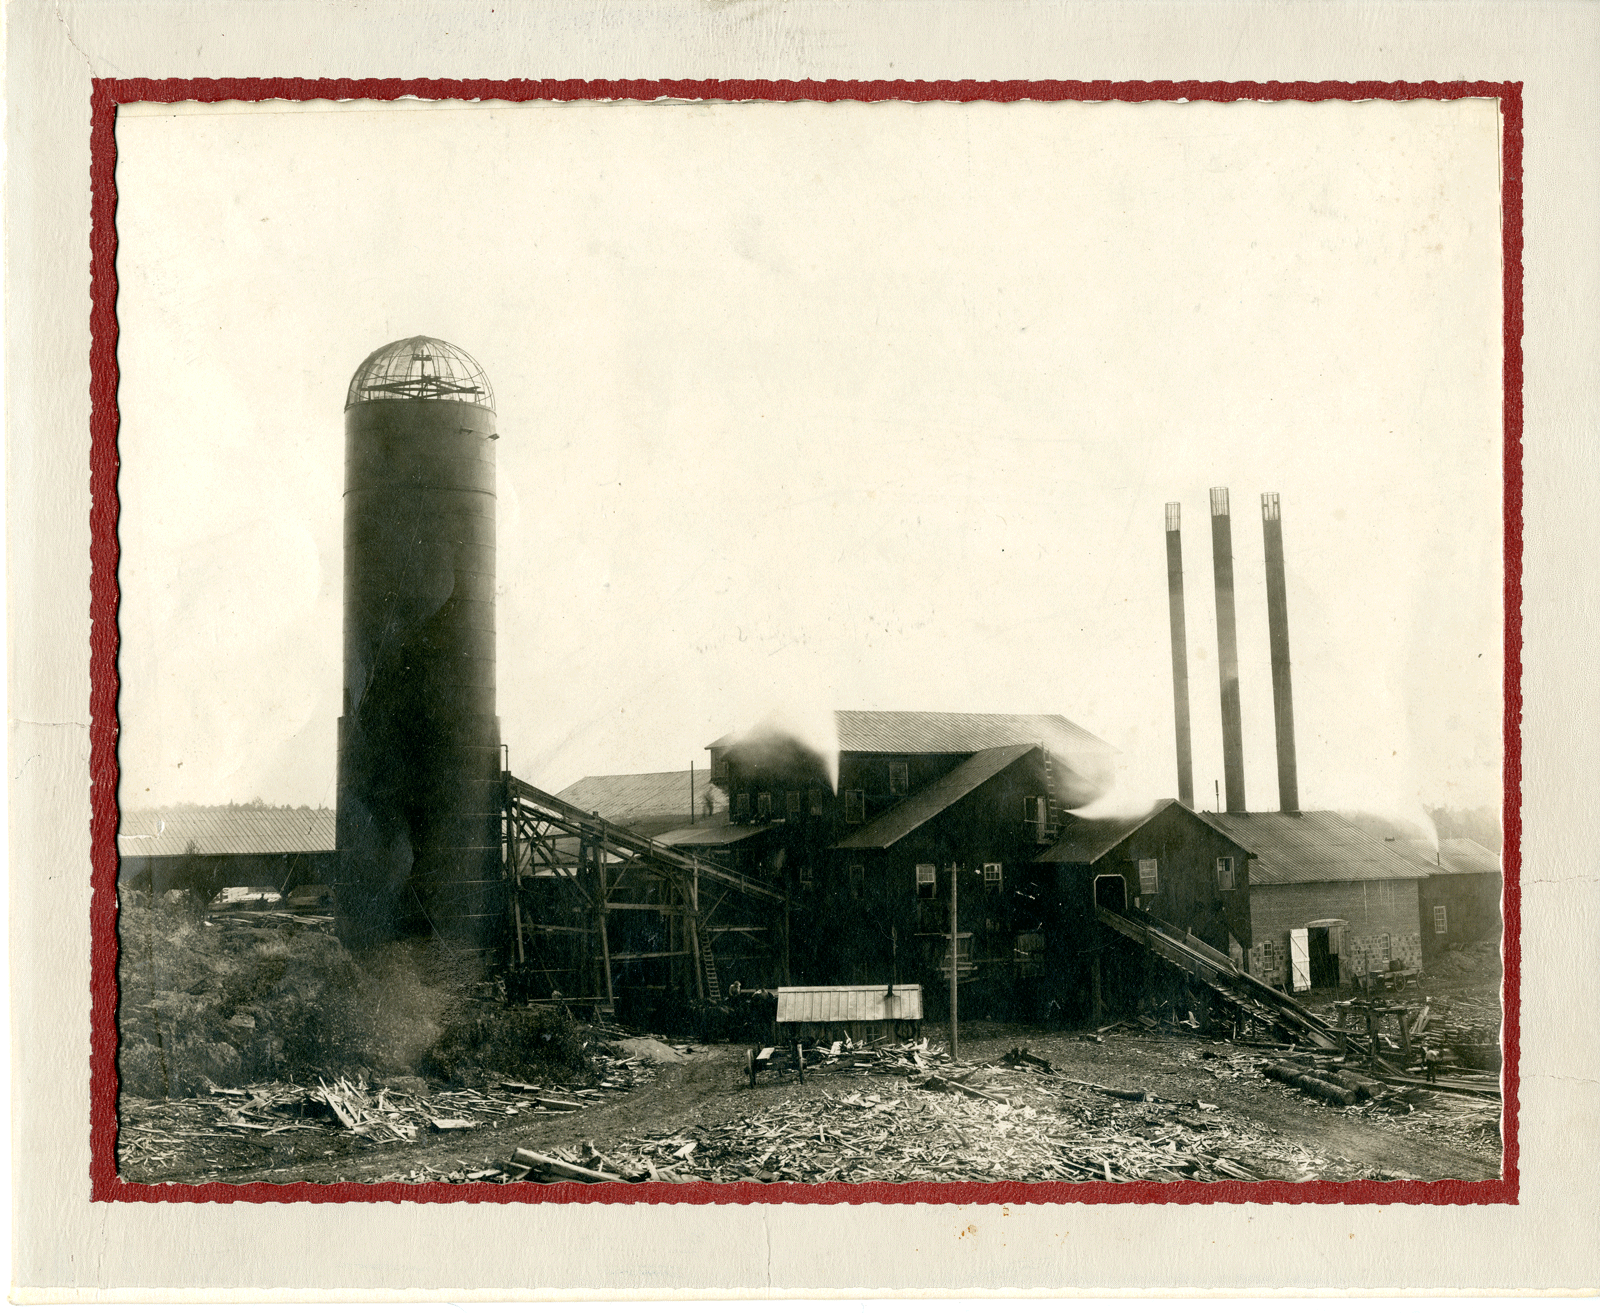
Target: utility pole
{"points": [[955, 1043]]}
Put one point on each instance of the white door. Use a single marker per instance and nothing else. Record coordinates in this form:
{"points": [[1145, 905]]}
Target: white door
{"points": [[1300, 960]]}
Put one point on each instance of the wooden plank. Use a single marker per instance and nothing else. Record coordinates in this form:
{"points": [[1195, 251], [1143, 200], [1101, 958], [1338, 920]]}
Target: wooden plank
{"points": [[527, 1158], [640, 957]]}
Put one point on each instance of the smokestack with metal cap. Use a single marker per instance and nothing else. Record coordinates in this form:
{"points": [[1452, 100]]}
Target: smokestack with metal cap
{"points": [[1180, 658], [1278, 635], [1227, 651]]}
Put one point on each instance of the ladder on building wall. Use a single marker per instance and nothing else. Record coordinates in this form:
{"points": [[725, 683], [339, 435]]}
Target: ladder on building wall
{"points": [[1051, 820]]}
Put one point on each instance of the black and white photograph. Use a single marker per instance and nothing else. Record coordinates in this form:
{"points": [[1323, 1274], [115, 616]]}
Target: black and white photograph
{"points": [[782, 645]]}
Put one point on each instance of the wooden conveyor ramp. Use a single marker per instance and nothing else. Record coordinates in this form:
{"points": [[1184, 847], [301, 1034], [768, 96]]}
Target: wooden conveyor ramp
{"points": [[1216, 971], [605, 868]]}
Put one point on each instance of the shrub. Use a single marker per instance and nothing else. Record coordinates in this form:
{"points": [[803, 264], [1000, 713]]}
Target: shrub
{"points": [[286, 1002]]}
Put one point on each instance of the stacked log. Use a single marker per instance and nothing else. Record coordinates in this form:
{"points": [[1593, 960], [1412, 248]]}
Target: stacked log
{"points": [[1334, 1087]]}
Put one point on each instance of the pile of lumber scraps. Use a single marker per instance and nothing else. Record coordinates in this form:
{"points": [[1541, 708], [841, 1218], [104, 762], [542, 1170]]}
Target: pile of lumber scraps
{"points": [[367, 1113], [899, 1133], [878, 1057], [380, 1114]]}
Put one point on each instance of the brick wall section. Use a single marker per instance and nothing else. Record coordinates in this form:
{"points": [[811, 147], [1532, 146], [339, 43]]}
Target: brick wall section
{"points": [[1374, 909]]}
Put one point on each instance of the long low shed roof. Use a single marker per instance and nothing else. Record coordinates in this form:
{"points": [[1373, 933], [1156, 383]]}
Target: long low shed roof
{"points": [[1311, 847], [225, 830], [821, 1003]]}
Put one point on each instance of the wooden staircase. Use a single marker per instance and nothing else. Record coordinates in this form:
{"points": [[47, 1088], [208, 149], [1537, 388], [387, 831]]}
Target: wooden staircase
{"points": [[708, 965]]}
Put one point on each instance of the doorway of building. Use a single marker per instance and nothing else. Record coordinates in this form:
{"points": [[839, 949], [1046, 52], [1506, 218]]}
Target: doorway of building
{"points": [[1323, 943], [1111, 892]]}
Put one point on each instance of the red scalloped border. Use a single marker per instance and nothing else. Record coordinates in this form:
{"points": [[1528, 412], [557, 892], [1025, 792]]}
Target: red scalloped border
{"points": [[104, 595]]}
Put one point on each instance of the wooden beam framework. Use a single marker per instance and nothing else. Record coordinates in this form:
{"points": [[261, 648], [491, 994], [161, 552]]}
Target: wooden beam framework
{"points": [[595, 907]]}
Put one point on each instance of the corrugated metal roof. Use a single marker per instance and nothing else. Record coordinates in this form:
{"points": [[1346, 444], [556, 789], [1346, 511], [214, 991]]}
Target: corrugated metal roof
{"points": [[714, 833], [952, 732], [168, 831], [922, 806], [1310, 847], [841, 1003], [1448, 857], [625, 798], [1086, 839], [960, 731]]}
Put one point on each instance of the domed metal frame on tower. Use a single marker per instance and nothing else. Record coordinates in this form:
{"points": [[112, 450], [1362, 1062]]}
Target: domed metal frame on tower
{"points": [[420, 369]]}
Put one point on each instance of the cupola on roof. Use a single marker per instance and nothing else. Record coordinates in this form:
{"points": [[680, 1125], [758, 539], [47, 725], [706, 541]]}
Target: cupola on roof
{"points": [[420, 369]]}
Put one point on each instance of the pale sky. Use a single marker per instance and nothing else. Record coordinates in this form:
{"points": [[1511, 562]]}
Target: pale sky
{"points": [[806, 406]]}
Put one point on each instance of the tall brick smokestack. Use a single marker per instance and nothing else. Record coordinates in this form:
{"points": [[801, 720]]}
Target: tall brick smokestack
{"points": [[1227, 651], [1180, 658], [1278, 636]]}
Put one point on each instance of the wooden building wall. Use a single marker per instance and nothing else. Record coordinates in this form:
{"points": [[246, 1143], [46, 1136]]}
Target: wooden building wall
{"points": [[866, 926], [1189, 892]]}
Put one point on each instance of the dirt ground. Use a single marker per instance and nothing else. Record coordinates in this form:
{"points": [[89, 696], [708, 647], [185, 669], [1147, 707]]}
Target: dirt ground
{"points": [[1209, 1099]]}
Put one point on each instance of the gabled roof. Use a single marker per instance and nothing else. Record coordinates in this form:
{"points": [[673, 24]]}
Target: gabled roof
{"points": [[959, 731], [1448, 856], [168, 831], [952, 733], [1311, 847], [922, 806], [1086, 839], [625, 799], [716, 832]]}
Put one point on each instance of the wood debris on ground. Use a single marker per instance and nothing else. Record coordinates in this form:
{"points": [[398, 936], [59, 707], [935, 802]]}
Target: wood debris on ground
{"points": [[884, 1112], [942, 1121], [156, 1131]]}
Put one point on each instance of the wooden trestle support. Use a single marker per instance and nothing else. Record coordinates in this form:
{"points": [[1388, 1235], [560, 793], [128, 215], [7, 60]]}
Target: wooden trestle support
{"points": [[596, 909]]}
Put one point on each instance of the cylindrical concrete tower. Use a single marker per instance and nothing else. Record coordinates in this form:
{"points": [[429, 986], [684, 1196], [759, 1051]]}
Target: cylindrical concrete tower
{"points": [[419, 741]]}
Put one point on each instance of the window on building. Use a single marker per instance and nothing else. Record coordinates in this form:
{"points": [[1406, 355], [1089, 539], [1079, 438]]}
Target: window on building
{"points": [[763, 806], [1147, 875], [791, 805], [741, 807], [855, 807], [1030, 810], [1028, 955], [858, 882], [1441, 921], [816, 802], [808, 879], [1224, 873], [927, 881], [899, 777], [991, 875]]}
